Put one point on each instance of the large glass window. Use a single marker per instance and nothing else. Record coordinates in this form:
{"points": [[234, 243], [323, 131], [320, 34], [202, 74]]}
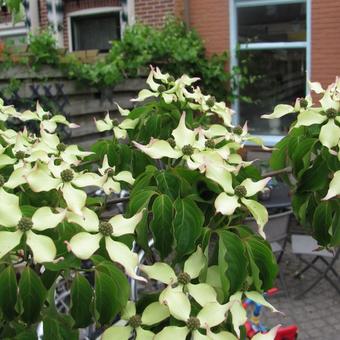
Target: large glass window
{"points": [[272, 38], [95, 31]]}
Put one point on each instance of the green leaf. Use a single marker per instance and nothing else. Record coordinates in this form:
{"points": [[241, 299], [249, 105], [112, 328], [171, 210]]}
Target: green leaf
{"points": [[335, 227], [52, 329], [168, 184], [32, 294], [81, 299], [232, 262], [142, 232], [302, 153], [161, 224], [315, 178], [111, 291], [260, 252], [322, 220], [8, 292], [187, 225], [140, 200]]}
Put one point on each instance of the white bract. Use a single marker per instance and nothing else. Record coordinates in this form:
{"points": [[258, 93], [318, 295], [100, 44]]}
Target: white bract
{"points": [[152, 314], [85, 244], [11, 217]]}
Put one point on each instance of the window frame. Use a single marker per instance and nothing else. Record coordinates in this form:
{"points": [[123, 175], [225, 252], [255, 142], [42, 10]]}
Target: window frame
{"points": [[268, 140], [90, 12]]}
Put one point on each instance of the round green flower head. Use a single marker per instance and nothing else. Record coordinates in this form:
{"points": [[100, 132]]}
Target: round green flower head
{"points": [[187, 150], [109, 172], [25, 224], [183, 278], [172, 142], [2, 181], [171, 79], [61, 147], [211, 101], [210, 143], [20, 155], [331, 113], [193, 323], [240, 191], [105, 228], [303, 103], [161, 88], [67, 175], [115, 122], [135, 321], [237, 130]]}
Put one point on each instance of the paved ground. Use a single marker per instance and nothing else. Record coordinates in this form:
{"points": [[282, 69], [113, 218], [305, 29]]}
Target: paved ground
{"points": [[317, 313]]}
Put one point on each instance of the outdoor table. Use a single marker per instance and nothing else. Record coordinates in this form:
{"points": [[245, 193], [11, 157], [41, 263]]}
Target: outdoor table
{"points": [[279, 197]]}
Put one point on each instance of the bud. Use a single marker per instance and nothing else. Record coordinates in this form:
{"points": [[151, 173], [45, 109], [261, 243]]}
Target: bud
{"points": [[115, 122]]}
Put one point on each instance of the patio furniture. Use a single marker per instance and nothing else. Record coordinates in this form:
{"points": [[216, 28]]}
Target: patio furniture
{"points": [[276, 231], [305, 245]]}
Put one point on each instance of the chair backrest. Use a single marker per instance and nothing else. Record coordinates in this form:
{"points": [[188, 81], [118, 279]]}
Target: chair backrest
{"points": [[277, 227]]}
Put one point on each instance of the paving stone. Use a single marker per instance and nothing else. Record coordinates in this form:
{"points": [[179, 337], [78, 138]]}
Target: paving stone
{"points": [[317, 313]]}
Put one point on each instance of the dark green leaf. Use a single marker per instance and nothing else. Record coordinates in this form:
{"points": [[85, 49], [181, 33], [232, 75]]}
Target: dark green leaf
{"points": [[111, 291], [140, 200], [187, 225], [161, 224], [232, 262], [81, 299], [8, 292], [262, 255], [322, 220], [32, 294], [168, 184]]}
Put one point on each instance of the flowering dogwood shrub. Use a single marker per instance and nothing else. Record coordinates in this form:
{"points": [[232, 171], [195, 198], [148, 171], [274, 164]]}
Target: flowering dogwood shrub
{"points": [[178, 155], [311, 151]]}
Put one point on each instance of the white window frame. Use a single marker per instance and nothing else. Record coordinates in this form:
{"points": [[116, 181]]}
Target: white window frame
{"points": [[268, 140], [92, 11]]}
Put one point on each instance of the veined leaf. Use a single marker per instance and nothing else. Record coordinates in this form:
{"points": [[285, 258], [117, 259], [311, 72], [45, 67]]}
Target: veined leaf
{"points": [[161, 224], [232, 262], [32, 294], [81, 298], [187, 224], [8, 292]]}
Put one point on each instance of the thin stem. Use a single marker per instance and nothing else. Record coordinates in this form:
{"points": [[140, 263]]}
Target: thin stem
{"points": [[286, 170], [117, 200]]}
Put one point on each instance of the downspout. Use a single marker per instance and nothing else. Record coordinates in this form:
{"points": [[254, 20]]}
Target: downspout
{"points": [[187, 12]]}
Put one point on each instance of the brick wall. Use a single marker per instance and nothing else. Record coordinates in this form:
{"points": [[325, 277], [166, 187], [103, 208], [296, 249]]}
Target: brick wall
{"points": [[211, 20], [43, 21], [325, 40], [153, 12]]}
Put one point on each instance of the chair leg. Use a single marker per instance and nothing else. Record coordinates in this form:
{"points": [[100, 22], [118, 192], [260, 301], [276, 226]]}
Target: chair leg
{"points": [[322, 276], [309, 265], [332, 269]]}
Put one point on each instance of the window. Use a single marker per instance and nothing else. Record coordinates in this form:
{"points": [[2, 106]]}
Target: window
{"points": [[273, 41], [94, 30]]}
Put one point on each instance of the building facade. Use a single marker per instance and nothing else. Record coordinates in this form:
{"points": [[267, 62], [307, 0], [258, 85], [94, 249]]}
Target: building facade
{"points": [[282, 42]]}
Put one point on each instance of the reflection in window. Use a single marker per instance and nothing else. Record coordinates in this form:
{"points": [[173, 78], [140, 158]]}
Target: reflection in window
{"points": [[280, 77], [272, 23], [95, 31]]}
